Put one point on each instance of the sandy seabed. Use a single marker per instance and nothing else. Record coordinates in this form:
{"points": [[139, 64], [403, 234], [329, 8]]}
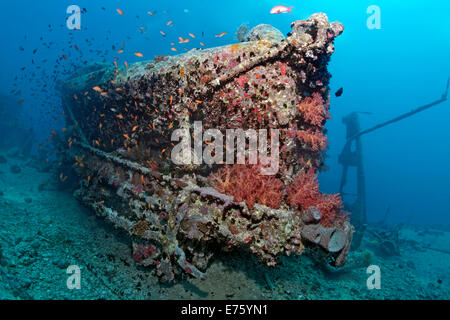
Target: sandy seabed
{"points": [[44, 229]]}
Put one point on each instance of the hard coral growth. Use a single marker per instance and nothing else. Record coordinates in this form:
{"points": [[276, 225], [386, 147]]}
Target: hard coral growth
{"points": [[246, 183], [304, 193], [313, 109]]}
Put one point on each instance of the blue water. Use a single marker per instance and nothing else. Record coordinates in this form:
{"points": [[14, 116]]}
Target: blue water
{"points": [[385, 72]]}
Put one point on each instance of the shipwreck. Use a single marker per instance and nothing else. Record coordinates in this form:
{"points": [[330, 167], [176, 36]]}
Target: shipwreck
{"points": [[118, 140]]}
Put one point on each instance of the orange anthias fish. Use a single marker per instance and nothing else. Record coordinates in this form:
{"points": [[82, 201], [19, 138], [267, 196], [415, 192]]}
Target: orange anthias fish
{"points": [[220, 35], [183, 40], [192, 35], [97, 88], [138, 54], [169, 22], [150, 13], [163, 33], [120, 12]]}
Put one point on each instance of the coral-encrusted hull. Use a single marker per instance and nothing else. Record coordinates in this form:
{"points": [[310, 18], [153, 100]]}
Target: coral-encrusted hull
{"points": [[120, 137]]}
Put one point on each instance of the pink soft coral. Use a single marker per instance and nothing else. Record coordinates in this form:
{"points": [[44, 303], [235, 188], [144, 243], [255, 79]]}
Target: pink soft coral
{"points": [[313, 109], [330, 205], [314, 139], [304, 190], [246, 183], [304, 193]]}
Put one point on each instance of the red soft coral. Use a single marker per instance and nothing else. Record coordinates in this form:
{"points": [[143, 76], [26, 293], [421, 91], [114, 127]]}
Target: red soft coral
{"points": [[246, 183], [313, 109], [304, 190], [314, 139], [304, 193], [330, 205]]}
